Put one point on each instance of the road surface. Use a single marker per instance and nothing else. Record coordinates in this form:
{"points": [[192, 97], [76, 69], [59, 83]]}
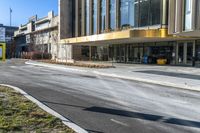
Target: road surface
{"points": [[107, 105]]}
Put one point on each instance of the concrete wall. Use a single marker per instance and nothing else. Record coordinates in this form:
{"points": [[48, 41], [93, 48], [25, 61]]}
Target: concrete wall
{"points": [[69, 27]]}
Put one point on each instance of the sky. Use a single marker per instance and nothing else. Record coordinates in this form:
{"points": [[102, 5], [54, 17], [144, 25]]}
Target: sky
{"points": [[24, 9]]}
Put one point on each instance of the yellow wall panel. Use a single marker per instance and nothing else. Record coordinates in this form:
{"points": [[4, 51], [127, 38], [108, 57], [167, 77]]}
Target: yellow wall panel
{"points": [[2, 51]]}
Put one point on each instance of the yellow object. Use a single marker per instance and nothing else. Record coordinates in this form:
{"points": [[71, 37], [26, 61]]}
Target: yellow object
{"points": [[2, 51], [124, 34], [162, 61]]}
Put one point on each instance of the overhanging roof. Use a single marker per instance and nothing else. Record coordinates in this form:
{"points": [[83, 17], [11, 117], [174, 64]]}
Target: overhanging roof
{"points": [[126, 36]]}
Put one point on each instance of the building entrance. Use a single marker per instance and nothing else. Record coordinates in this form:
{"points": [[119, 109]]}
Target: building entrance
{"points": [[185, 53], [147, 53]]}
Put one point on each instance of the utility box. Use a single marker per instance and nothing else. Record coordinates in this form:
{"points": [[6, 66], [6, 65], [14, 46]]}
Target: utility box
{"points": [[2, 51]]}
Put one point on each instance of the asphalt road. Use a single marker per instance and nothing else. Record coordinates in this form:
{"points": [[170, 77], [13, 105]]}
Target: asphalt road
{"points": [[107, 105]]}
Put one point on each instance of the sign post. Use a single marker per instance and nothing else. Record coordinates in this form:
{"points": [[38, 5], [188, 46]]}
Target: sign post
{"points": [[2, 51]]}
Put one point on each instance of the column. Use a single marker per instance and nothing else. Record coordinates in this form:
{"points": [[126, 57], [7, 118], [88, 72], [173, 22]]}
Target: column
{"points": [[179, 16], [185, 53], [118, 14], [83, 18], [194, 49], [177, 56], [115, 53], [164, 13], [90, 49], [107, 15], [171, 22], [194, 13], [65, 18], [77, 18], [91, 16], [127, 53], [98, 16]]}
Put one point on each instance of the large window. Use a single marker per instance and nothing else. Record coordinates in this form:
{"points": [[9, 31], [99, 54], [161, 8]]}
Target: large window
{"points": [[139, 13], [87, 14], [155, 13], [127, 13], [188, 15], [94, 16], [103, 15], [136, 15], [112, 14], [144, 12]]}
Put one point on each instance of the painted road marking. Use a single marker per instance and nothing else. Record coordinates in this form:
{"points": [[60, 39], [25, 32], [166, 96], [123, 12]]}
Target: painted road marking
{"points": [[120, 123]]}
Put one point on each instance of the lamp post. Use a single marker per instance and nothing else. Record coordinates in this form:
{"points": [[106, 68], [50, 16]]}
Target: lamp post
{"points": [[11, 16]]}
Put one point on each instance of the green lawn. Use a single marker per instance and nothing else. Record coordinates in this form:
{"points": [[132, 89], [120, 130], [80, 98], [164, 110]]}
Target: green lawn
{"points": [[18, 114]]}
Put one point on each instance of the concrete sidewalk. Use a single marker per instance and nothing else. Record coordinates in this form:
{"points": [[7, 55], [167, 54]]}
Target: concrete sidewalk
{"points": [[172, 76]]}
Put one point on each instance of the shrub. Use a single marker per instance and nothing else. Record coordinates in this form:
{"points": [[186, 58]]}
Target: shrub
{"points": [[39, 56]]}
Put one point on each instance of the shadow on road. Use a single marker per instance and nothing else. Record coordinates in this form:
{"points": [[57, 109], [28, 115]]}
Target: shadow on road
{"points": [[137, 115], [143, 116]]}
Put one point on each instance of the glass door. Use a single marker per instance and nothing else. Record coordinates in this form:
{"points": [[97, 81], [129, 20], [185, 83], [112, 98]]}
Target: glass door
{"points": [[180, 53], [189, 53], [186, 53]]}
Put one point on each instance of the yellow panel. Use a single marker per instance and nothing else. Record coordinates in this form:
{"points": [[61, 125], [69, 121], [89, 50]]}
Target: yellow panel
{"points": [[126, 34], [3, 51]]}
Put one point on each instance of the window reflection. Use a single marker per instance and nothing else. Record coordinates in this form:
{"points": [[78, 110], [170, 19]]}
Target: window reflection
{"points": [[139, 13], [127, 13], [112, 14], [94, 16], [87, 14], [155, 12], [103, 15], [132, 13], [144, 12], [188, 14]]}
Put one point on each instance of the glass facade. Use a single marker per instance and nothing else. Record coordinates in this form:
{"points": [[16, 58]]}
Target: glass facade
{"points": [[144, 12], [132, 13], [112, 14], [94, 16], [188, 15], [155, 16], [127, 13], [87, 15], [136, 14], [139, 13], [103, 15]]}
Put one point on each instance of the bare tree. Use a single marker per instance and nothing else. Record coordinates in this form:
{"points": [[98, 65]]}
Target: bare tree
{"points": [[55, 41]]}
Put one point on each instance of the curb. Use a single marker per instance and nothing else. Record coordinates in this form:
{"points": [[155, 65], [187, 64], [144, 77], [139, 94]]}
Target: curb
{"points": [[55, 67], [65, 121], [167, 84]]}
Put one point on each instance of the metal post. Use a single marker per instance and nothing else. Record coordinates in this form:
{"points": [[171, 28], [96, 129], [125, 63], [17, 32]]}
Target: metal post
{"points": [[194, 54], [185, 53], [10, 17]]}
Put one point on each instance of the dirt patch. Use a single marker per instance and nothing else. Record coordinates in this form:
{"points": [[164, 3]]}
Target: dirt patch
{"points": [[78, 64]]}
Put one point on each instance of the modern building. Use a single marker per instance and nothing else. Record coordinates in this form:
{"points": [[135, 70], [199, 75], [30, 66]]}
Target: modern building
{"points": [[184, 22], [6, 36], [38, 35], [131, 31]]}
